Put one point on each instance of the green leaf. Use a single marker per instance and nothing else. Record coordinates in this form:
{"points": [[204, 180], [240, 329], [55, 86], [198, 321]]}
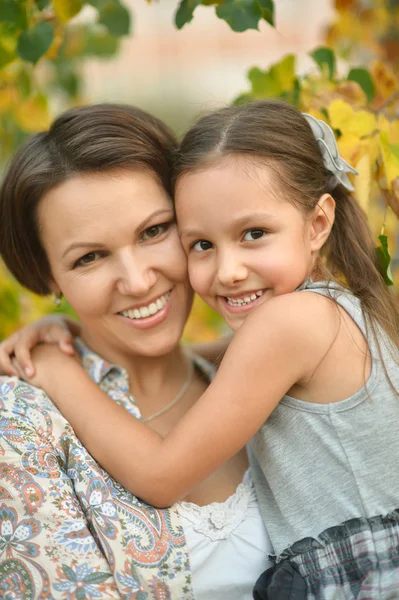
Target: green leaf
{"points": [[240, 14], [384, 259], [267, 7], [264, 85], [24, 83], [242, 99], [185, 12], [68, 80], [6, 55], [115, 17], [101, 43], [325, 57], [34, 42], [42, 4], [13, 12], [364, 79]]}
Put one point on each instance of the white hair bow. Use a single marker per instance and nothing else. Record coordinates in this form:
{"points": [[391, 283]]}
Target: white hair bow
{"points": [[328, 146]]}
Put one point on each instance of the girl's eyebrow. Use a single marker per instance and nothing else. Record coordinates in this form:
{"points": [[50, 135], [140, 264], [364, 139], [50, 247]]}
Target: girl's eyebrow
{"points": [[244, 221], [100, 245]]}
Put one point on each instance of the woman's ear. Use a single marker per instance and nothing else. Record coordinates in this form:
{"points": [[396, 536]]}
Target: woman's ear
{"points": [[322, 221], [53, 287]]}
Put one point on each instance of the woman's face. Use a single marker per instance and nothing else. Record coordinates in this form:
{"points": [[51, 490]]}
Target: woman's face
{"points": [[115, 254]]}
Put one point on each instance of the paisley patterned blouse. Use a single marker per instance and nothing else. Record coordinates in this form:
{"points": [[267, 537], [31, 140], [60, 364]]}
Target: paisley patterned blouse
{"points": [[67, 529]]}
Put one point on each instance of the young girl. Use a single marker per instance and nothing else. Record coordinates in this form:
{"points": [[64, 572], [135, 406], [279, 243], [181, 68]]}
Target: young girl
{"points": [[311, 375]]}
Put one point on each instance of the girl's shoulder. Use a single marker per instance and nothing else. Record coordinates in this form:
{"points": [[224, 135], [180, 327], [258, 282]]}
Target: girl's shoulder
{"points": [[296, 313], [294, 328]]}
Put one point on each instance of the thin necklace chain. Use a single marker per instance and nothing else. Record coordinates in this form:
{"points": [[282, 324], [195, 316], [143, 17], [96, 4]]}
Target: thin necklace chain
{"points": [[179, 396]]}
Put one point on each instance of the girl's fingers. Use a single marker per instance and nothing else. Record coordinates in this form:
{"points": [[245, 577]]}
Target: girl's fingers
{"points": [[22, 352], [67, 347], [17, 367], [64, 338], [6, 367]]}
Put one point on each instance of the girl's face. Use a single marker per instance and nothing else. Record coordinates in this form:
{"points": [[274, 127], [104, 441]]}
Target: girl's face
{"points": [[115, 254], [245, 243]]}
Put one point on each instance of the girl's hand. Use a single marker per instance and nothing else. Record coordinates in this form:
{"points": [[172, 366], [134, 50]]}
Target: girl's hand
{"points": [[53, 329], [49, 365]]}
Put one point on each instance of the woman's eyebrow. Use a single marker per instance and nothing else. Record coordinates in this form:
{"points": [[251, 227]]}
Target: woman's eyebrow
{"points": [[157, 213]]}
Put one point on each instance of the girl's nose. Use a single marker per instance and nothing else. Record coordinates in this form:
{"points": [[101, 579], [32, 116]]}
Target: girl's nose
{"points": [[230, 269]]}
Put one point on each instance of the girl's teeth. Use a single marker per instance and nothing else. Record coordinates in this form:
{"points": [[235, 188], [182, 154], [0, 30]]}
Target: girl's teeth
{"points": [[244, 301], [146, 311]]}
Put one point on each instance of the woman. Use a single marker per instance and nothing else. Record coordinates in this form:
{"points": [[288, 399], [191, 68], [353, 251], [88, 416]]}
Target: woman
{"points": [[85, 211]]}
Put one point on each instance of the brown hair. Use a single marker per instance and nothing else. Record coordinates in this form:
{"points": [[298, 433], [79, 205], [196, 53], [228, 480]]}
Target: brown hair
{"points": [[278, 136], [87, 139]]}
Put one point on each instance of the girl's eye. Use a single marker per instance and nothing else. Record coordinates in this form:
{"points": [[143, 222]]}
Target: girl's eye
{"points": [[254, 234], [87, 259], [153, 232], [201, 246]]}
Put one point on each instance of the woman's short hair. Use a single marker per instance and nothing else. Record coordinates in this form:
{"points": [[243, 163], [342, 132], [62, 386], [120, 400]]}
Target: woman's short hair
{"points": [[89, 139]]}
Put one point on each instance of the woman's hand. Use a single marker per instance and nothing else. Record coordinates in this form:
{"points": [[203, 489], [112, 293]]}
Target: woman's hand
{"points": [[52, 329]]}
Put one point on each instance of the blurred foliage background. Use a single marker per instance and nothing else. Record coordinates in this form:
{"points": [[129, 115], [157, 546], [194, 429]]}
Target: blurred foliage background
{"points": [[353, 85]]}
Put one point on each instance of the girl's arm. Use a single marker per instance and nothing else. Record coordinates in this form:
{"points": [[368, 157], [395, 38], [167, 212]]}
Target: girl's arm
{"points": [[52, 329], [279, 345]]}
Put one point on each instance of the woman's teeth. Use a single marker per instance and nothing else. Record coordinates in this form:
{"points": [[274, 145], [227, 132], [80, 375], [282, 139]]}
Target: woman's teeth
{"points": [[147, 311], [244, 301]]}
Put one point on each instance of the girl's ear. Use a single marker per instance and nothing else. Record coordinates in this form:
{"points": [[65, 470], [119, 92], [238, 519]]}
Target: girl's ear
{"points": [[322, 221]]}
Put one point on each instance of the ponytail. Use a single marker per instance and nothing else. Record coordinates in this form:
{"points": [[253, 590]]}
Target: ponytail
{"points": [[351, 253]]}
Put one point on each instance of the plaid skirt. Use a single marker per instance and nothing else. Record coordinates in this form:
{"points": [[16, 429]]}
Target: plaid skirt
{"points": [[358, 559]]}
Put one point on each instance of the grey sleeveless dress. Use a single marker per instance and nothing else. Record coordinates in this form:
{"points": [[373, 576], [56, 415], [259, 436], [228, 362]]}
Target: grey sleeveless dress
{"points": [[327, 478]]}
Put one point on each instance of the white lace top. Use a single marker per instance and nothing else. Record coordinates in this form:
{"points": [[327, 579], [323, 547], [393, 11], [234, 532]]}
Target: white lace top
{"points": [[227, 543]]}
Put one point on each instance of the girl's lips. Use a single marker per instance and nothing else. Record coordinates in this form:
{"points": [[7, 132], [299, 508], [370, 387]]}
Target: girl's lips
{"points": [[152, 320], [241, 309]]}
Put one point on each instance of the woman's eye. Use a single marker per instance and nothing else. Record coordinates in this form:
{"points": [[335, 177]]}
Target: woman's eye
{"points": [[88, 258], [254, 234], [154, 231], [201, 246]]}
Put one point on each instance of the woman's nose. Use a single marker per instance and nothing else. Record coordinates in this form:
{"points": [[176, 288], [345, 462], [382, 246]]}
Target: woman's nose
{"points": [[135, 277]]}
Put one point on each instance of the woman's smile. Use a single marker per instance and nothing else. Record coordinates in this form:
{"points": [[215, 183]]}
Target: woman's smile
{"points": [[148, 315]]}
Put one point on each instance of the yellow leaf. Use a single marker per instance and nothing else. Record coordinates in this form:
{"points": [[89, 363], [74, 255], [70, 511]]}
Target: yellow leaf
{"points": [[384, 78], [389, 143], [33, 115], [352, 93], [343, 117], [66, 9], [363, 182], [390, 157], [391, 128], [6, 98], [284, 71]]}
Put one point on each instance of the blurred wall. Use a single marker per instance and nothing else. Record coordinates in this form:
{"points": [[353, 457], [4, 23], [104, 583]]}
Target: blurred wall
{"points": [[178, 74]]}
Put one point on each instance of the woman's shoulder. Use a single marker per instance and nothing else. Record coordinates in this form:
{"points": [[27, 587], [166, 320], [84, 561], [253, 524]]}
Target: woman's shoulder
{"points": [[16, 393]]}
